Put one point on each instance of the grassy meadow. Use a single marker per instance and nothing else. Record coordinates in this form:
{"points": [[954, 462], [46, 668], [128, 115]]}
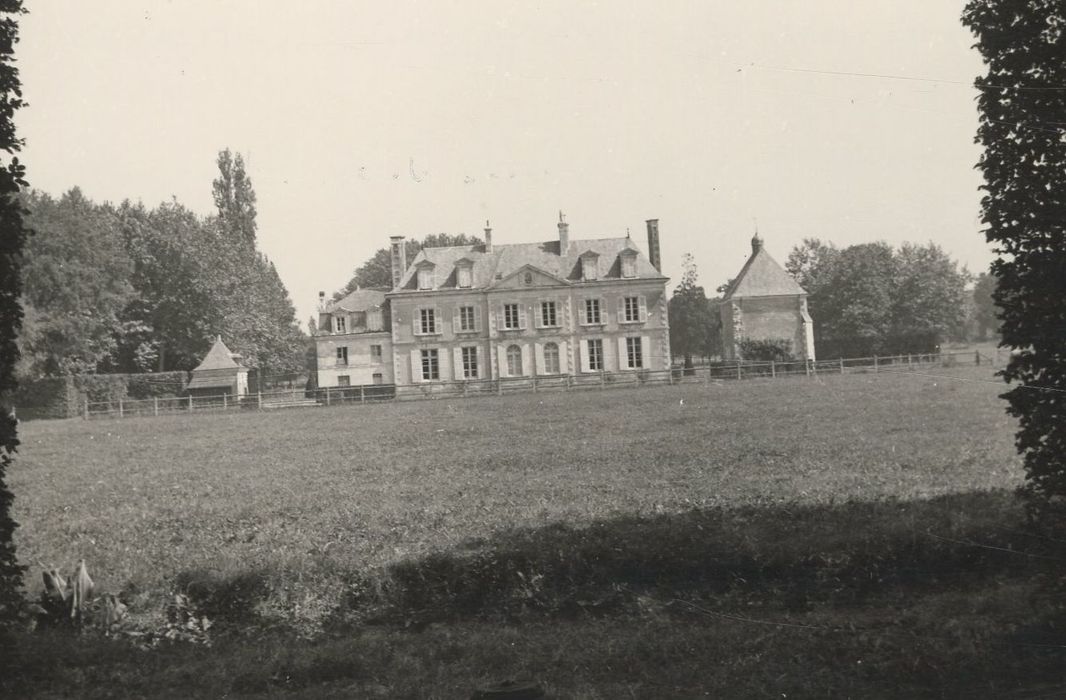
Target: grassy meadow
{"points": [[831, 537]]}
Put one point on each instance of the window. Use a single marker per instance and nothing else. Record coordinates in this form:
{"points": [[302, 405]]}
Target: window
{"points": [[425, 278], [595, 348], [589, 265], [634, 353], [514, 361], [551, 358], [340, 324], [631, 309], [465, 276], [378, 379], [548, 315], [469, 356], [467, 319], [512, 316], [375, 353], [592, 311], [430, 365], [629, 266], [342, 356], [344, 380], [427, 321]]}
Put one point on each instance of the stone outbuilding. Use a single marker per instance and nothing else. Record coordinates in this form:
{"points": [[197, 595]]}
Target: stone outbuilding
{"points": [[219, 373], [765, 303]]}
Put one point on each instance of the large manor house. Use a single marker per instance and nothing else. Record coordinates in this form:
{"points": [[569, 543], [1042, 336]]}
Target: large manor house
{"points": [[564, 307]]}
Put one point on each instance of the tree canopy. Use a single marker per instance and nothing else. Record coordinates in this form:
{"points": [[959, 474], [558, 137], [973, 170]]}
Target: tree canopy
{"points": [[693, 317], [1022, 102]]}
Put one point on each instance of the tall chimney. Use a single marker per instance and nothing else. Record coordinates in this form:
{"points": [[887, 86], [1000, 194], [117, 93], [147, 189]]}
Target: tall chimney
{"points": [[398, 254], [653, 244], [488, 237], [564, 234]]}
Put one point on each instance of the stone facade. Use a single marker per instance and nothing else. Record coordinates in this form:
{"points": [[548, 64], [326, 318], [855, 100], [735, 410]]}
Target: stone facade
{"points": [[476, 313], [765, 303], [353, 345]]}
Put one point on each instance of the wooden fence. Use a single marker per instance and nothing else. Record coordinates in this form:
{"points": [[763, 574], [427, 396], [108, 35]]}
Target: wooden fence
{"points": [[718, 372]]}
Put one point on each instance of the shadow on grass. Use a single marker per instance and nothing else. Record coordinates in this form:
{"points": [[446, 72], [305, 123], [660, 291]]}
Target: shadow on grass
{"points": [[950, 596]]}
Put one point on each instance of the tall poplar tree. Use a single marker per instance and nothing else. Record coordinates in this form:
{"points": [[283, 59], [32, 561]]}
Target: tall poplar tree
{"points": [[1022, 103], [13, 235]]}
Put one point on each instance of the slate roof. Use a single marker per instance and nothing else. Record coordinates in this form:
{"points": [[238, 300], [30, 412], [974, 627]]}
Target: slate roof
{"points": [[762, 276], [359, 300], [506, 259], [218, 357]]}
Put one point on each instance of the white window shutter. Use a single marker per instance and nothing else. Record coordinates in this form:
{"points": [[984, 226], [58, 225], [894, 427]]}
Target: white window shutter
{"points": [[605, 314], [456, 321], [621, 309], [564, 358], [538, 358], [527, 361], [500, 318], [480, 363], [415, 319], [522, 316], [583, 312], [584, 352], [645, 352], [477, 318], [442, 364], [416, 366], [538, 314], [643, 308], [437, 324], [501, 357], [457, 364], [623, 356]]}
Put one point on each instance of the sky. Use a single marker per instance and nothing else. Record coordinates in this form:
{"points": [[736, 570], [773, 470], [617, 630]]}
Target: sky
{"points": [[847, 121]]}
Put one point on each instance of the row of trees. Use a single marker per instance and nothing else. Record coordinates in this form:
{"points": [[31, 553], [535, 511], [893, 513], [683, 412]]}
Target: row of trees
{"points": [[131, 289], [865, 299]]}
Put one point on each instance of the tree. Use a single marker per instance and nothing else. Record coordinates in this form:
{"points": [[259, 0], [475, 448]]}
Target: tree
{"points": [[376, 273], [930, 297], [1021, 102], [809, 263], [77, 284], [13, 234], [852, 304], [235, 199], [693, 321], [985, 322]]}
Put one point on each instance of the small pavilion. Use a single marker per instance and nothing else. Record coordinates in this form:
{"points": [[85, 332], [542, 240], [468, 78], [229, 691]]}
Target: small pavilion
{"points": [[219, 373]]}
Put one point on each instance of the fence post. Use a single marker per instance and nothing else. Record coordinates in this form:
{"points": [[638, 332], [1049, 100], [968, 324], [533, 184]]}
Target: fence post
{"points": [[842, 365], [259, 395], [362, 394], [603, 379], [739, 376], [708, 374], [225, 402], [534, 383], [327, 395], [86, 414], [499, 386], [773, 370], [910, 362], [807, 366], [568, 382], [875, 364], [190, 402], [120, 411], [155, 406]]}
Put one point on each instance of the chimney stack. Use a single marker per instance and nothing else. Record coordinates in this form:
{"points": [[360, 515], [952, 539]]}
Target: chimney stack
{"points": [[398, 255], [321, 300], [564, 234], [488, 237], [653, 244]]}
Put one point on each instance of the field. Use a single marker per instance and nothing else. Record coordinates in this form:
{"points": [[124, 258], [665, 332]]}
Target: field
{"points": [[845, 536]]}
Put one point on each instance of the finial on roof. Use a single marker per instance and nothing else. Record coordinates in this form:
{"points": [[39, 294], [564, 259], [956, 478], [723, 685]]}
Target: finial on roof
{"points": [[756, 243], [627, 232], [562, 217]]}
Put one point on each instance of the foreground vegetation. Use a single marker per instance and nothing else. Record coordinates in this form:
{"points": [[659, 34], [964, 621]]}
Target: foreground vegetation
{"points": [[848, 536]]}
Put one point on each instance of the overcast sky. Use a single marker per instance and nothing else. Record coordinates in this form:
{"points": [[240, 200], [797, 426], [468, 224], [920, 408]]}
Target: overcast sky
{"points": [[360, 120]]}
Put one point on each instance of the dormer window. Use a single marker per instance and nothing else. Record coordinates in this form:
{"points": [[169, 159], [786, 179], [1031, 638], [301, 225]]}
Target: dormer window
{"points": [[464, 275], [425, 277], [629, 265], [373, 319], [340, 324], [590, 264]]}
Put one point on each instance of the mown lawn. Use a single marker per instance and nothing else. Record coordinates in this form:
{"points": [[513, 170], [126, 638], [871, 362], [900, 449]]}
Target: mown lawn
{"points": [[618, 543]]}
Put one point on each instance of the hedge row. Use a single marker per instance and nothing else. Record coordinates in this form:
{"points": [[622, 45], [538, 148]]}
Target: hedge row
{"points": [[64, 397]]}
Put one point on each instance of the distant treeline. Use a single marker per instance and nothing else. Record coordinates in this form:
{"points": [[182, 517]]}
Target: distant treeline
{"points": [[130, 289]]}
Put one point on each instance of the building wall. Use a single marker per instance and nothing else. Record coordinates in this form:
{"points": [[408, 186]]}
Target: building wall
{"points": [[766, 318], [361, 366], [493, 339]]}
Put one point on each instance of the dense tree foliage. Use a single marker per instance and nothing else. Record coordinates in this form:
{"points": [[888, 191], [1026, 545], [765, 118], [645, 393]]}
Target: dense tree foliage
{"points": [[13, 234], [133, 289], [693, 317], [376, 273], [1022, 100], [872, 299], [985, 323]]}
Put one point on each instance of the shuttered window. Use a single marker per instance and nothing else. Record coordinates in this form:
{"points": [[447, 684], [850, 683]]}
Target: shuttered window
{"points": [[634, 353], [595, 353], [469, 359], [430, 365], [551, 358]]}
